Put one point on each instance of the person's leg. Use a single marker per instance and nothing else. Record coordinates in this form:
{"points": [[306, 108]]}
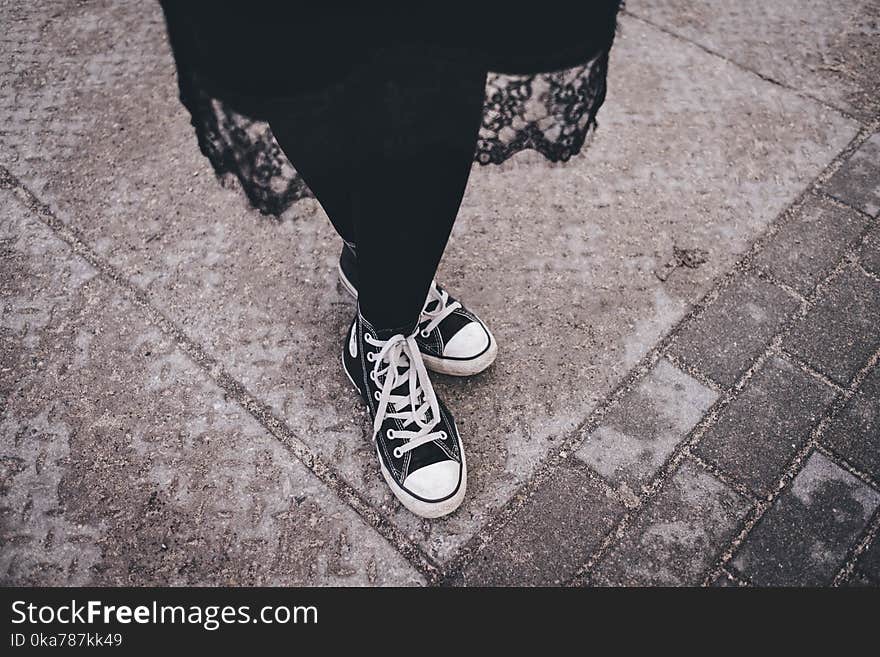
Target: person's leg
{"points": [[313, 131], [396, 154], [418, 117], [416, 139], [387, 154]]}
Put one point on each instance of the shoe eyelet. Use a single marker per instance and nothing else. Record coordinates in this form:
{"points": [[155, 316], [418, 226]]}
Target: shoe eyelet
{"points": [[390, 435], [376, 395], [372, 375], [371, 356], [423, 334], [397, 453], [443, 435]]}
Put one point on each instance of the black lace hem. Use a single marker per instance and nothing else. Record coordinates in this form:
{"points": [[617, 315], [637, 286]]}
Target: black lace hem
{"points": [[551, 113]]}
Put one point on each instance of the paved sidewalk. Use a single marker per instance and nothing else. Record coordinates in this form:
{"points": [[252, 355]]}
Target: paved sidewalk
{"points": [[688, 387]]}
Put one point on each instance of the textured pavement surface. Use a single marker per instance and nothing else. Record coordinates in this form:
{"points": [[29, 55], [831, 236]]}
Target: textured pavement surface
{"points": [[687, 386]]}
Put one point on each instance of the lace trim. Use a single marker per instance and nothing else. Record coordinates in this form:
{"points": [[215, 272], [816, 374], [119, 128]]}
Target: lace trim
{"points": [[551, 113]]}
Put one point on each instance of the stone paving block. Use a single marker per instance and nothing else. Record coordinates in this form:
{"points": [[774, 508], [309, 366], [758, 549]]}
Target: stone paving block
{"points": [[804, 538], [855, 432], [723, 582], [122, 464], [825, 49], [551, 537], [840, 334], [759, 432], [681, 160], [734, 329], [868, 563], [857, 182], [678, 535], [858, 579], [811, 243], [869, 253], [641, 432]]}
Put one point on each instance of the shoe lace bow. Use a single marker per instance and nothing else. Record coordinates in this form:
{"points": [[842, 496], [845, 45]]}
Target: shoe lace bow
{"points": [[399, 363]]}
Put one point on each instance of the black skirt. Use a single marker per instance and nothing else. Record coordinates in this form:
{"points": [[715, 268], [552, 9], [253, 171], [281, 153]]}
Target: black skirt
{"points": [[547, 80]]}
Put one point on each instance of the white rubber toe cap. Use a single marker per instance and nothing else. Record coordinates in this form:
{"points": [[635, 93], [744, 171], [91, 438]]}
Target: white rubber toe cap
{"points": [[472, 340], [434, 482]]}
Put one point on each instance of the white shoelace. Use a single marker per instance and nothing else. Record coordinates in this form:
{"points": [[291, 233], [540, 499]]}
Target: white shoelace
{"points": [[399, 361], [442, 310]]}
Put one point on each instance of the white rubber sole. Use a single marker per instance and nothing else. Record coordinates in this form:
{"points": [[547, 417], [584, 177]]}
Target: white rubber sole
{"points": [[414, 505], [448, 366]]}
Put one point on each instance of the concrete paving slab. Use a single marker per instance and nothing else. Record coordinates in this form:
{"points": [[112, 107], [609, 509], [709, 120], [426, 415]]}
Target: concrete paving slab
{"points": [[825, 49], [122, 464], [693, 152]]}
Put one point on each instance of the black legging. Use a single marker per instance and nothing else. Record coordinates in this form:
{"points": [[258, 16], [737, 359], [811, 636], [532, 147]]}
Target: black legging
{"points": [[387, 153]]}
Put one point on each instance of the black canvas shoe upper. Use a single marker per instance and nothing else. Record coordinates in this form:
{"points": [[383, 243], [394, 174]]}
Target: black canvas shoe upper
{"points": [[432, 336], [411, 427]]}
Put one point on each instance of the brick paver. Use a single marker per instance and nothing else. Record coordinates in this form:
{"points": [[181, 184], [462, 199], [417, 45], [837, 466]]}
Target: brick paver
{"points": [[760, 431], [808, 246], [804, 538], [868, 565], [855, 433], [735, 329], [637, 437], [858, 180], [840, 334], [678, 535], [551, 537]]}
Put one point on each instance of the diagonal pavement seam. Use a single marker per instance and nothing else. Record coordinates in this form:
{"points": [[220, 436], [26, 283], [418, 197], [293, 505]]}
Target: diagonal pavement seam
{"points": [[260, 411], [576, 437], [741, 66]]}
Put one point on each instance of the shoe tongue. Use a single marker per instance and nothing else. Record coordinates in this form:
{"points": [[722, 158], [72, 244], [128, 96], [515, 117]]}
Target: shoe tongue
{"points": [[387, 334], [384, 334], [402, 390]]}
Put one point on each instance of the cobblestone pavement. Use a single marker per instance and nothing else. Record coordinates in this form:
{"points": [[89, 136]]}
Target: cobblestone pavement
{"points": [[687, 391]]}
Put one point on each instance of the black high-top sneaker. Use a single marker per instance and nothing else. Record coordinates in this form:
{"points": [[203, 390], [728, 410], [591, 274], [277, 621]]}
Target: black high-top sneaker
{"points": [[420, 451], [452, 339]]}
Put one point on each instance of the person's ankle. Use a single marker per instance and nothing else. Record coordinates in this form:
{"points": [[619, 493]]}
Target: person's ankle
{"points": [[385, 330]]}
